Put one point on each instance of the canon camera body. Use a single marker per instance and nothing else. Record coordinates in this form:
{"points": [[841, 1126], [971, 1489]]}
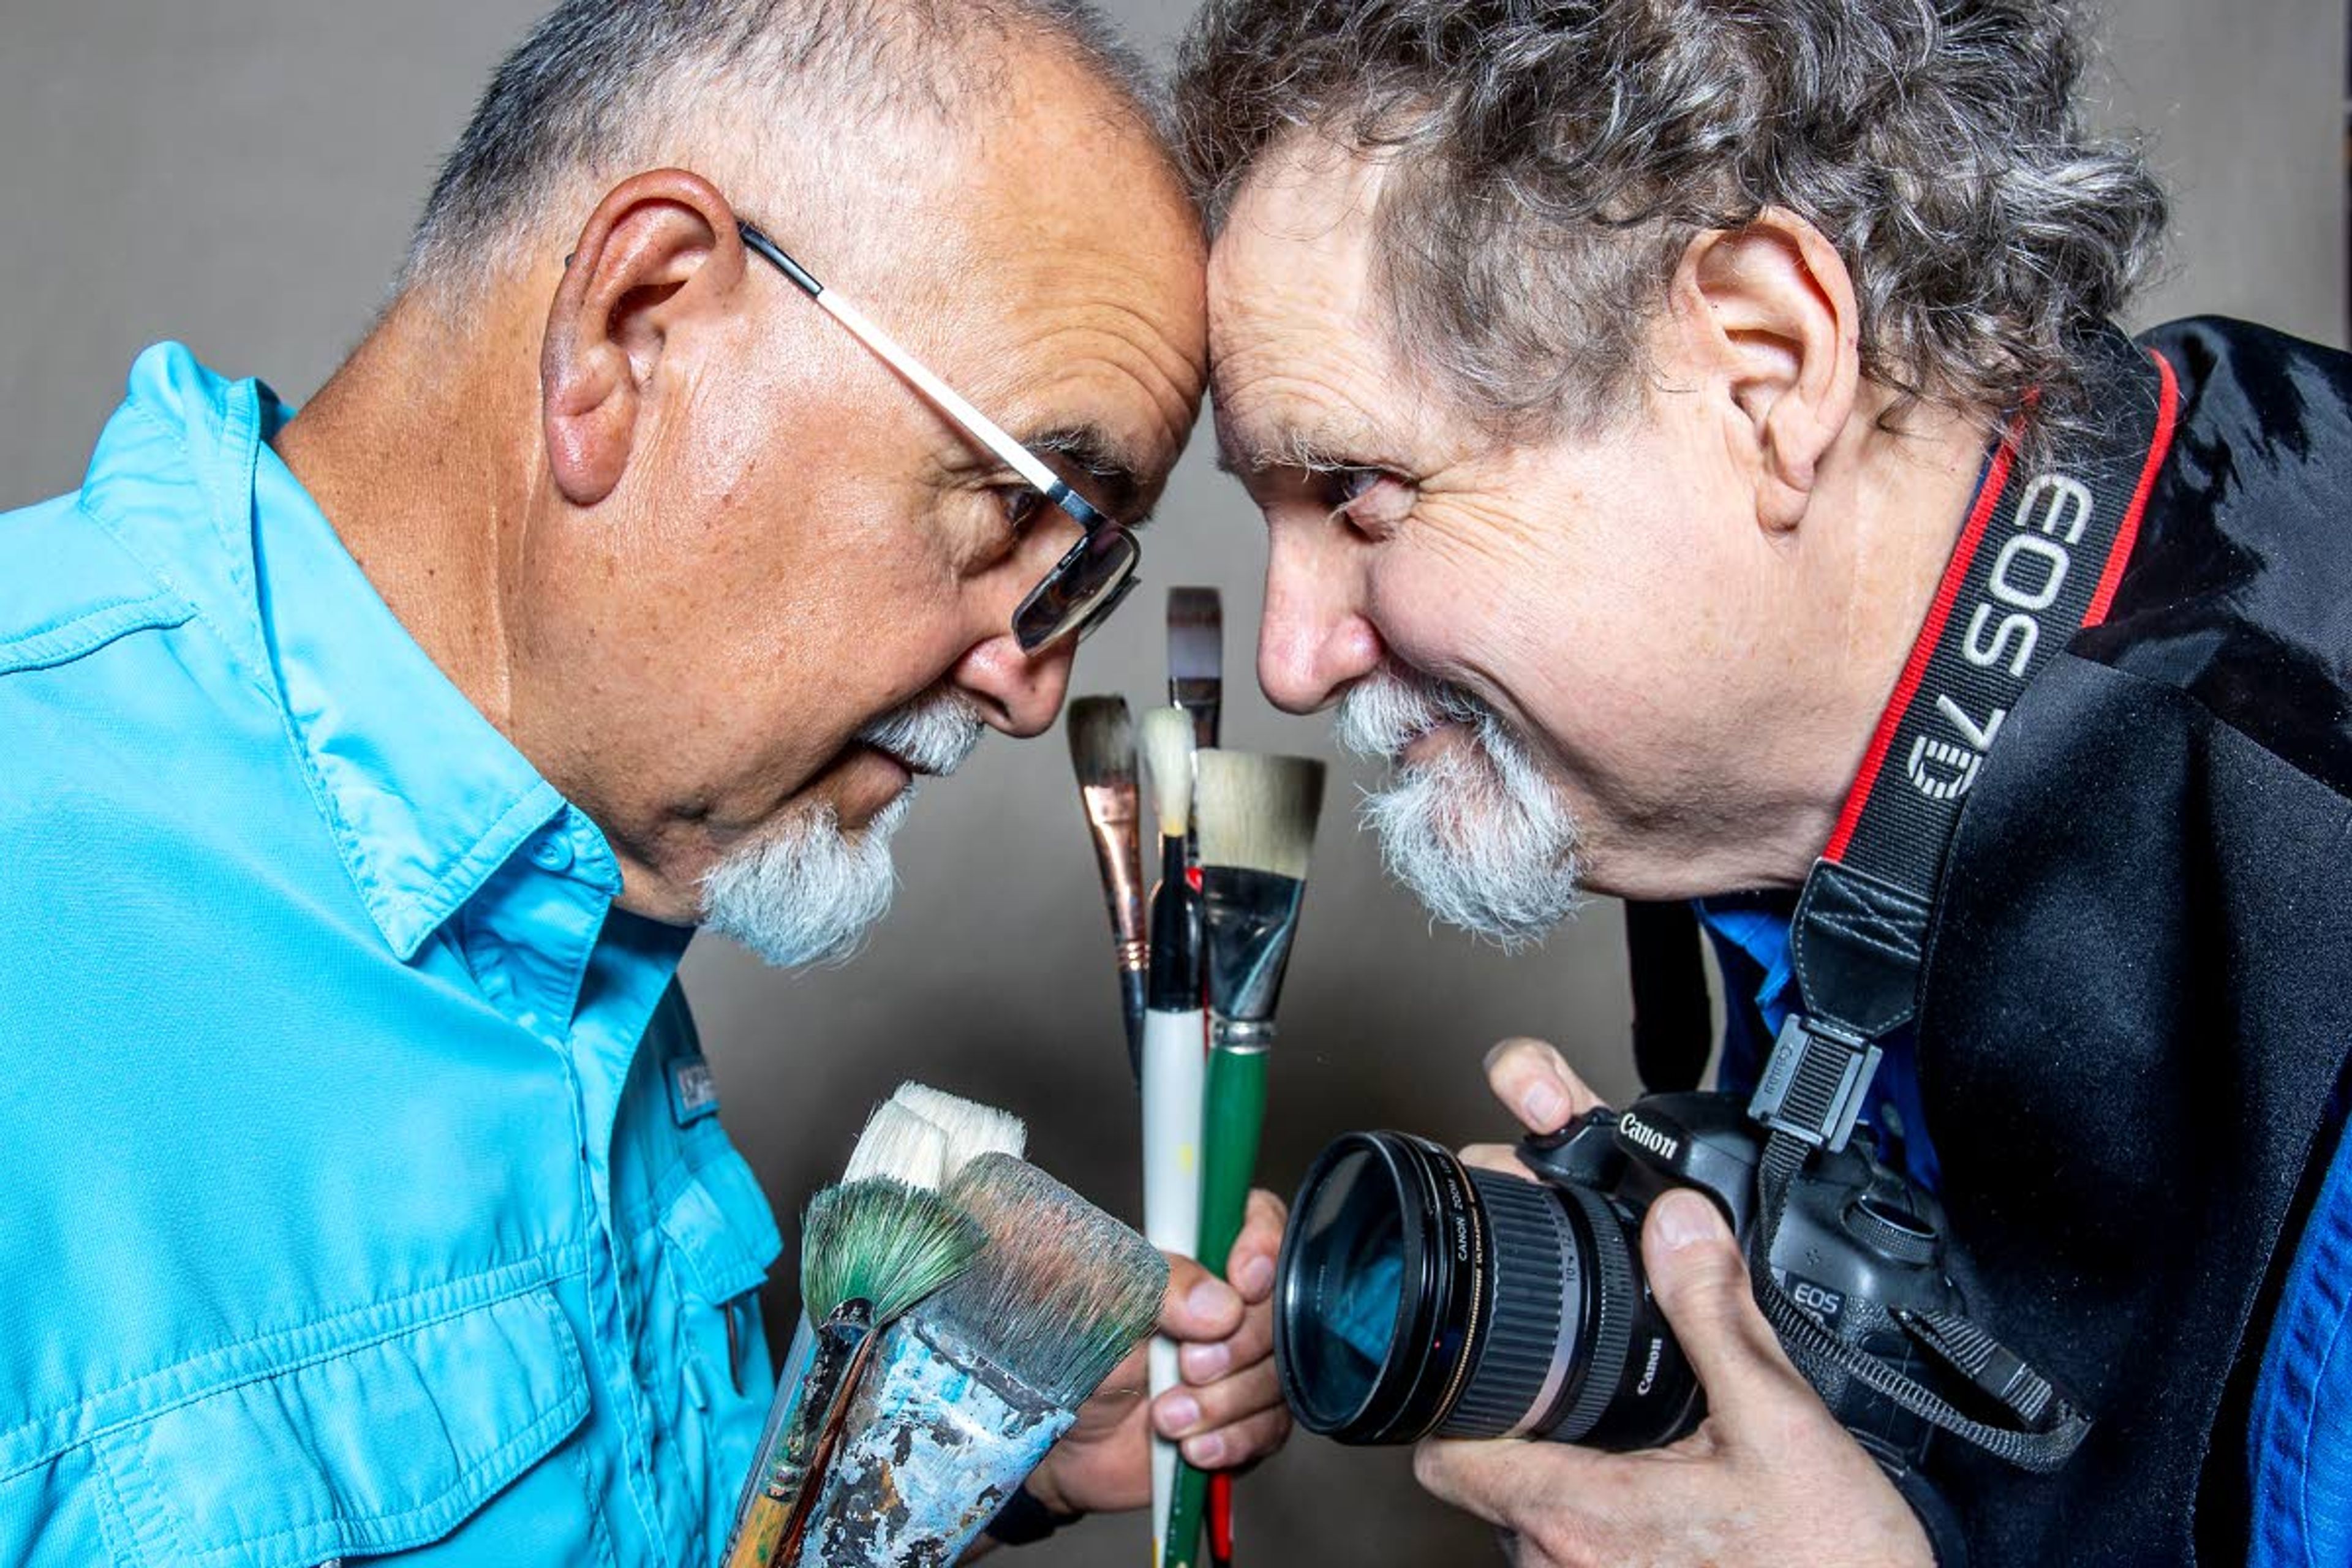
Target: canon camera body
{"points": [[1418, 1295]]}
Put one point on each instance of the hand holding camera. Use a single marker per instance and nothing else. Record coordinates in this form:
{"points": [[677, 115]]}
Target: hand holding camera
{"points": [[1768, 1477]]}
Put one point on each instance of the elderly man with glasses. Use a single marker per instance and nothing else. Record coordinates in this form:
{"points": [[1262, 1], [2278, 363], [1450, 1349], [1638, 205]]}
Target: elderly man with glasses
{"points": [[371, 766]]}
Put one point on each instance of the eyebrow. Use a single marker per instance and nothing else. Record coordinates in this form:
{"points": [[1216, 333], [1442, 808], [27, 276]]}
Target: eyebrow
{"points": [[1102, 457], [1331, 444]]}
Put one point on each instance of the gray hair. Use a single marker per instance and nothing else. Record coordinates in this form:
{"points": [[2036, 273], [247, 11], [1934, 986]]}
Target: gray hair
{"points": [[1548, 163], [599, 89]]}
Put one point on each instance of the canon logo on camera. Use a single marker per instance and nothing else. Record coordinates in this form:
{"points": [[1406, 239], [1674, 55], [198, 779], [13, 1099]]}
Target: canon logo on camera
{"points": [[1664, 1145]]}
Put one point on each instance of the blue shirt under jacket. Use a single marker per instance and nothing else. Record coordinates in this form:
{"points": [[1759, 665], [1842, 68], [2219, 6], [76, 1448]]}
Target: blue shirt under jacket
{"points": [[2299, 1434], [363, 1195]]}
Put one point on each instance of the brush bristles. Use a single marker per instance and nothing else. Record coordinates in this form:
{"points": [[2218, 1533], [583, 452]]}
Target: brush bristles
{"points": [[901, 1144], [1102, 741], [1196, 634], [884, 1242], [1061, 1292], [1168, 763], [971, 1128], [1257, 813]]}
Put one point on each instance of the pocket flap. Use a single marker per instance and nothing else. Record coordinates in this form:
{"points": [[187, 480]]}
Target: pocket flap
{"points": [[375, 1448], [720, 1223]]}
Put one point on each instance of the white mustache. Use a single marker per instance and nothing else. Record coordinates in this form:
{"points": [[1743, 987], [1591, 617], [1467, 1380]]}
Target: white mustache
{"points": [[933, 734]]}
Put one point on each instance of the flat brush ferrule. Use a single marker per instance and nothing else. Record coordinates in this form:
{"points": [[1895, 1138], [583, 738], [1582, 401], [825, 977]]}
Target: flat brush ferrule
{"points": [[1201, 698], [1248, 921]]}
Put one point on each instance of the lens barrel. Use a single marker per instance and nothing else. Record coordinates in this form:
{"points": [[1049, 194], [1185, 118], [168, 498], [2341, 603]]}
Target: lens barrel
{"points": [[1417, 1295]]}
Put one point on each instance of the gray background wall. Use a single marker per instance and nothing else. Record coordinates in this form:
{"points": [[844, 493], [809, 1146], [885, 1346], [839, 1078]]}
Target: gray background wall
{"points": [[240, 174]]}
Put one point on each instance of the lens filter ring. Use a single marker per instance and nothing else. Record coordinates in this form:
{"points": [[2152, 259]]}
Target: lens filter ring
{"points": [[1615, 1296]]}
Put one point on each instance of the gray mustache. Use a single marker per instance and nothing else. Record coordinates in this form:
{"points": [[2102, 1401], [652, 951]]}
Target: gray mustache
{"points": [[933, 734]]}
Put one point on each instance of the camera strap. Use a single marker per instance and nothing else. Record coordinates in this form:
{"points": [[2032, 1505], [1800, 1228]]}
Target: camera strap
{"points": [[2036, 560]]}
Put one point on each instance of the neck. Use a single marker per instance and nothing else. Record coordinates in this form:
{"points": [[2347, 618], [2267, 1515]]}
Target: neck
{"points": [[409, 452], [1893, 507]]}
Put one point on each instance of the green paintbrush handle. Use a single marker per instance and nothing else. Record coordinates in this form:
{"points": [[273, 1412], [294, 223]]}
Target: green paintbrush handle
{"points": [[1235, 1112]]}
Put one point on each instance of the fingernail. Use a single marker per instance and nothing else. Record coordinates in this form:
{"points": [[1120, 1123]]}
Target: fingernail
{"points": [[1685, 1219], [1206, 1452], [1255, 1276], [1178, 1415], [1546, 1104], [1211, 1298], [1203, 1363]]}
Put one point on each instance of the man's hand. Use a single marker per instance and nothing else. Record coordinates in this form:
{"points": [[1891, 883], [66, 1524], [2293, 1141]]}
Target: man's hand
{"points": [[1229, 1413], [1769, 1477]]}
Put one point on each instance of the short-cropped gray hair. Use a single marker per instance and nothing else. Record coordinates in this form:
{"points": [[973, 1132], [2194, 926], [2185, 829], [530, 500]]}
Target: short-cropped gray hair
{"points": [[1553, 158], [599, 87]]}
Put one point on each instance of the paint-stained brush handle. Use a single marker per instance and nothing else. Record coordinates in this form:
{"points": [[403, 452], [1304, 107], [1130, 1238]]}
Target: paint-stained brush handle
{"points": [[1235, 1118], [791, 1467]]}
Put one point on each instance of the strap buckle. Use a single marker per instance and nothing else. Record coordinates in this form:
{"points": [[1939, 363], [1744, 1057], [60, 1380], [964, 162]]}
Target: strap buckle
{"points": [[1815, 1082]]}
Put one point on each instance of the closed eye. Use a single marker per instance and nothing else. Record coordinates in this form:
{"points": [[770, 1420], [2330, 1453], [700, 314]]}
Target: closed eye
{"points": [[1371, 501]]}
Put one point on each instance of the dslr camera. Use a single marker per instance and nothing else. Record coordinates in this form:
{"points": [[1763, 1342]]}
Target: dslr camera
{"points": [[1417, 1295]]}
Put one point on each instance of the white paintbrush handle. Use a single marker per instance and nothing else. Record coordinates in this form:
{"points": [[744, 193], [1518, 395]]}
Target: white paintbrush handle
{"points": [[1175, 1075]]}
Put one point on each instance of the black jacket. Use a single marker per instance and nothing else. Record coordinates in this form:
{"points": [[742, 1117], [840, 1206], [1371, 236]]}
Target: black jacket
{"points": [[2136, 1004]]}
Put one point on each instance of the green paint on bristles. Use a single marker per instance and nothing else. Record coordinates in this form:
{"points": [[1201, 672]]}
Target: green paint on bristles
{"points": [[883, 1242]]}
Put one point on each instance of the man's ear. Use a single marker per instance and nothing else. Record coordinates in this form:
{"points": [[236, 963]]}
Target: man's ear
{"points": [[660, 249], [1777, 314]]}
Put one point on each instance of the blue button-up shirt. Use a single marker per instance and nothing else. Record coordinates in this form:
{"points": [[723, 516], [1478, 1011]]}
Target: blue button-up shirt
{"points": [[360, 1192]]}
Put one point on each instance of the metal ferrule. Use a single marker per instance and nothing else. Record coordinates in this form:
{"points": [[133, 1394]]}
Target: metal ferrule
{"points": [[1247, 919], [1175, 936], [1119, 849], [1246, 1036], [1200, 697]]}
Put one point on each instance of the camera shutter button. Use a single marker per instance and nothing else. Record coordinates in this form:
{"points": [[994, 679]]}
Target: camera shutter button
{"points": [[1889, 1232]]}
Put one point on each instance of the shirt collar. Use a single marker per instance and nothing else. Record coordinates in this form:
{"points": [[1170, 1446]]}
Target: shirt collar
{"points": [[424, 798]]}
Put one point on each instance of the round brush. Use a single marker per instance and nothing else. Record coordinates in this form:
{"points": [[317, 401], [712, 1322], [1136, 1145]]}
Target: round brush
{"points": [[1174, 1070], [1102, 754]]}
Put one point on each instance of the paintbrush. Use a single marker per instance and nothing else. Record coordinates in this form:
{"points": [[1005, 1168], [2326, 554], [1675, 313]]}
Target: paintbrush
{"points": [[898, 1144], [967, 1127], [869, 1250], [1174, 1069], [1256, 817], [1196, 659], [969, 1390], [1102, 754]]}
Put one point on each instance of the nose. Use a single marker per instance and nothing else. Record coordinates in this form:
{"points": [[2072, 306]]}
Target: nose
{"points": [[1316, 637], [1018, 693]]}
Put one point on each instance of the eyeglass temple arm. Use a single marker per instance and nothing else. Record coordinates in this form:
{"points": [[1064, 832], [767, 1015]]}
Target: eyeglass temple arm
{"points": [[981, 427]]}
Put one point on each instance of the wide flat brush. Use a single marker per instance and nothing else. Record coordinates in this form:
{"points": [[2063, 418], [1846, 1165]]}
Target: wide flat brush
{"points": [[1174, 1069], [869, 1250], [967, 1127], [1256, 817], [1102, 754], [970, 1389]]}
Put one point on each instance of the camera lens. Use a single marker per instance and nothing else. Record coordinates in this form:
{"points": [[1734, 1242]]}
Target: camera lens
{"points": [[1415, 1295]]}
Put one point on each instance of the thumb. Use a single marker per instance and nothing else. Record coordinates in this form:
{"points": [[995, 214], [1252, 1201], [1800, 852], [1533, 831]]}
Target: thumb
{"points": [[1700, 1277]]}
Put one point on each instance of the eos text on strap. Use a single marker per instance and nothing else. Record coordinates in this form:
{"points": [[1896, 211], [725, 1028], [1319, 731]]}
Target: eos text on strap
{"points": [[2034, 563]]}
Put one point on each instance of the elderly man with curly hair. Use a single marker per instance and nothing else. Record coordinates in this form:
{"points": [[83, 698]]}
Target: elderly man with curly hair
{"points": [[1695, 452]]}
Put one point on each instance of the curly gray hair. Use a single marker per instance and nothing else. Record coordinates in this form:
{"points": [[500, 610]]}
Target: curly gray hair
{"points": [[1550, 161]]}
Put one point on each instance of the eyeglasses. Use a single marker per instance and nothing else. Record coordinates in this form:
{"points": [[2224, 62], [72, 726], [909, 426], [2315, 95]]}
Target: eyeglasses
{"points": [[1099, 572]]}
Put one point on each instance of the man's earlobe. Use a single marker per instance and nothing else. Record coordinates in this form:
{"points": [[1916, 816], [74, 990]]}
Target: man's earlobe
{"points": [[1783, 324], [660, 249]]}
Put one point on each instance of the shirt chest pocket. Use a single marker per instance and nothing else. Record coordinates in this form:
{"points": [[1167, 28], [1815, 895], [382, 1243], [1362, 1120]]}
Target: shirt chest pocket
{"points": [[426, 1441]]}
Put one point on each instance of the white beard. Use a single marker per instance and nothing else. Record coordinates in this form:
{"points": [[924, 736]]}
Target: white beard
{"points": [[1479, 832], [806, 892]]}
